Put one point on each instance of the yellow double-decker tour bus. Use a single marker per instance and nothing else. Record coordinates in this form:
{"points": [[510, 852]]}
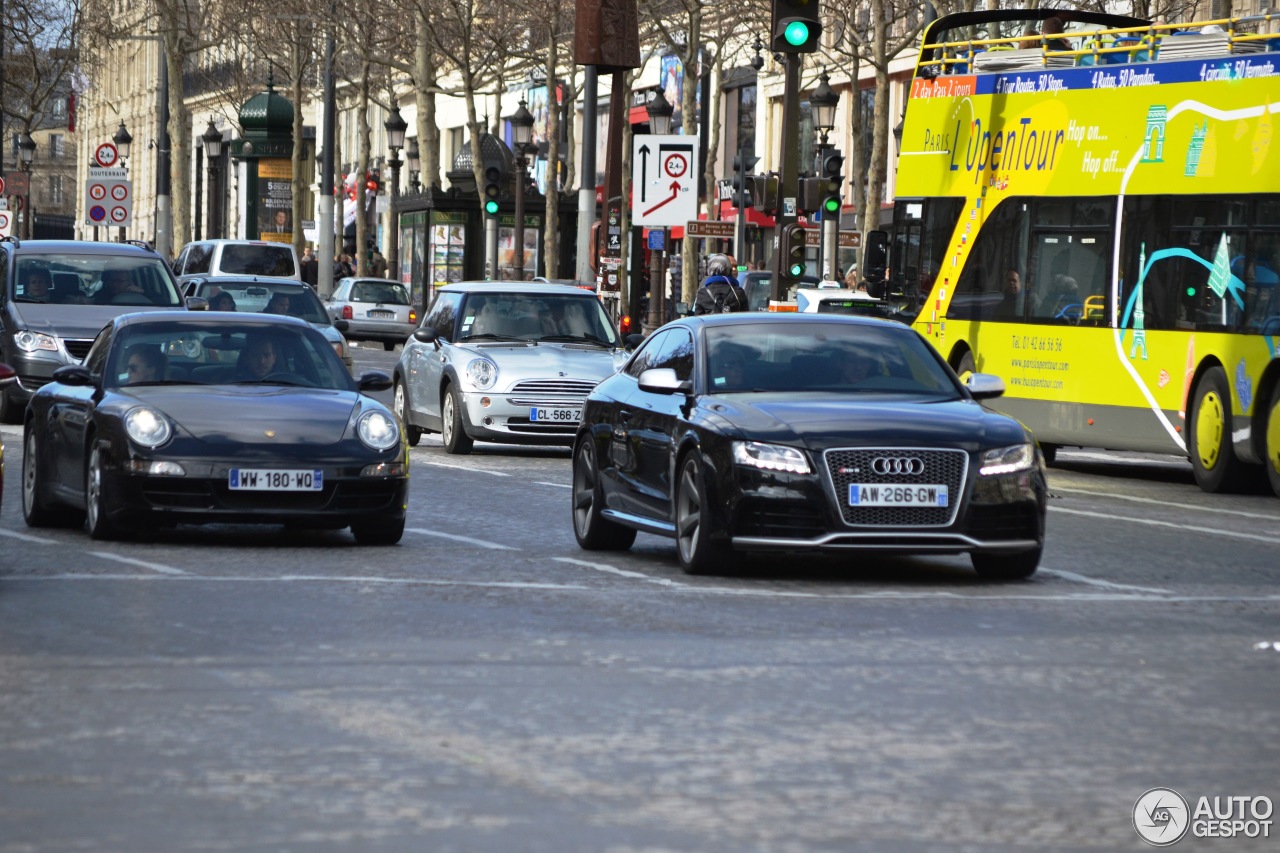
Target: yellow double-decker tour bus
{"points": [[1089, 207]]}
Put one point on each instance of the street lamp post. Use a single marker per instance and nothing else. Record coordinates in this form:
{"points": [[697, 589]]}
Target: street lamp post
{"points": [[522, 135], [740, 221], [660, 111], [212, 140], [396, 126], [414, 158], [27, 152], [124, 145], [824, 101]]}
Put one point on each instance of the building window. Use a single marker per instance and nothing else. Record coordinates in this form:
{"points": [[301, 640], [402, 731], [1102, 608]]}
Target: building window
{"points": [[54, 194], [55, 145]]}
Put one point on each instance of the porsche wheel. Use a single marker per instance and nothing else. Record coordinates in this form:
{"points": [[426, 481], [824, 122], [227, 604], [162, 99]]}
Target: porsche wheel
{"points": [[96, 499], [698, 553], [594, 533], [35, 507], [1213, 459], [1006, 567], [401, 404], [455, 436]]}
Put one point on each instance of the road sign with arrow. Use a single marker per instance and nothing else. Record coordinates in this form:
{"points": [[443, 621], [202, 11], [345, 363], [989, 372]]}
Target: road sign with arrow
{"points": [[664, 180]]}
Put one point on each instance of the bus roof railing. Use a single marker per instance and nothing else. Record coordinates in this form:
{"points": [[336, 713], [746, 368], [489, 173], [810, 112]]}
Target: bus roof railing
{"points": [[1101, 39]]}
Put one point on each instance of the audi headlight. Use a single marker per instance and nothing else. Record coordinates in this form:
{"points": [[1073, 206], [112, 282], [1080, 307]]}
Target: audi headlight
{"points": [[378, 431], [482, 373], [28, 341], [770, 457], [147, 426], [1008, 460]]}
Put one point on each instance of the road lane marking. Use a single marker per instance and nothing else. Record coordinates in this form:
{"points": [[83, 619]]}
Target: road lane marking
{"points": [[480, 543], [1072, 576], [155, 567], [429, 461], [1175, 525], [623, 573], [556, 485], [885, 595], [1196, 508], [27, 537]]}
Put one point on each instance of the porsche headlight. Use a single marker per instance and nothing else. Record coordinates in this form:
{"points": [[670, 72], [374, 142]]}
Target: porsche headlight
{"points": [[1008, 460], [482, 373], [147, 427], [378, 431], [28, 341], [770, 457]]}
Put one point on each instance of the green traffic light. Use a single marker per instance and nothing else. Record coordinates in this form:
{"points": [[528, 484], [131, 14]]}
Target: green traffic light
{"points": [[831, 205], [491, 207], [796, 270], [796, 33]]}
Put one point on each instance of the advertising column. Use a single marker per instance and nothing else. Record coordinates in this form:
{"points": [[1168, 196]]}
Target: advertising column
{"points": [[275, 200]]}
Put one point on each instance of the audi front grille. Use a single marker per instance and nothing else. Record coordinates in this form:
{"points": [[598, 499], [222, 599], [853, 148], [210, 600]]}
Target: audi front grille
{"points": [[897, 466]]}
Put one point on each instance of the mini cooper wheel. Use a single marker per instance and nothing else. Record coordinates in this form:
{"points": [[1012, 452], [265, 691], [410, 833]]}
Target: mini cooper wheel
{"points": [[96, 500], [378, 532], [401, 404], [1006, 567], [1213, 459], [455, 435], [698, 553], [594, 533]]}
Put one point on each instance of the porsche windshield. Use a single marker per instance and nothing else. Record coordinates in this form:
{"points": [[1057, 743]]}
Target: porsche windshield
{"points": [[220, 353]]}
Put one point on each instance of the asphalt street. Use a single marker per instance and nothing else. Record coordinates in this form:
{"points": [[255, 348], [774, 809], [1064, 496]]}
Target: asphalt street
{"points": [[487, 686]]}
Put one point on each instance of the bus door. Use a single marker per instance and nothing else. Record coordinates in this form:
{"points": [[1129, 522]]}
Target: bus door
{"points": [[1067, 276]]}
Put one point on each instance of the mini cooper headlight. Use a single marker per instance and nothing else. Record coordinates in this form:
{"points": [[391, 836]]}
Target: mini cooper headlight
{"points": [[147, 426], [378, 431], [28, 341], [771, 457], [482, 373], [1008, 460]]}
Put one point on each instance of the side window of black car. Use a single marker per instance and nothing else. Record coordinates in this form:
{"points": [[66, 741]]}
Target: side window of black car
{"points": [[644, 357], [97, 357], [443, 314], [675, 351]]}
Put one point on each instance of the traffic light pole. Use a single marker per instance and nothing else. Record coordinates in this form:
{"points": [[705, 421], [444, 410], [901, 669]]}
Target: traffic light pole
{"points": [[827, 247], [789, 172], [740, 220]]}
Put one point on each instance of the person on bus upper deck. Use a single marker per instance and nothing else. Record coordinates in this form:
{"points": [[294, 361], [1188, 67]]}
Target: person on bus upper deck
{"points": [[1048, 27]]}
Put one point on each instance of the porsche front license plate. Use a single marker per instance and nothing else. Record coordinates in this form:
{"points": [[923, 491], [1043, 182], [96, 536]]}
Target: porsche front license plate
{"points": [[558, 416], [881, 494], [275, 480]]}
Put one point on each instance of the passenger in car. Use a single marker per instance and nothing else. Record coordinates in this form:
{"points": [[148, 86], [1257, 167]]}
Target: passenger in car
{"points": [[279, 304], [116, 284], [36, 288], [222, 302], [145, 364]]}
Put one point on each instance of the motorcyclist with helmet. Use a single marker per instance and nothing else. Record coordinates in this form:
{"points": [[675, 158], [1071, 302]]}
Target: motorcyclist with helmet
{"points": [[719, 292]]}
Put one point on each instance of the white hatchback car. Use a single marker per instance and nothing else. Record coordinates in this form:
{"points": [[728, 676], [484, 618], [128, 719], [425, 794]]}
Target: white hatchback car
{"points": [[502, 361], [376, 309]]}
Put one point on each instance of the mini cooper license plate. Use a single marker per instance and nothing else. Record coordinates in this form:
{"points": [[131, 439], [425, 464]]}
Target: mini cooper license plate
{"points": [[907, 494], [555, 416], [275, 480]]}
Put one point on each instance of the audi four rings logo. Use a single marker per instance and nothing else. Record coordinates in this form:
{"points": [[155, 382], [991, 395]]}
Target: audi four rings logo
{"points": [[891, 465]]}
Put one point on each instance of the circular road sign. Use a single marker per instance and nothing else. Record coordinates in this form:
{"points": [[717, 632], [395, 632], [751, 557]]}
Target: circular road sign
{"points": [[119, 192], [97, 213], [106, 155], [119, 213], [97, 192], [1, 186], [676, 165], [4, 220], [18, 183]]}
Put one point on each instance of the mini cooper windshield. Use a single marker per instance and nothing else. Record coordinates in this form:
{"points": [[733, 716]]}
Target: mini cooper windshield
{"points": [[536, 317]]}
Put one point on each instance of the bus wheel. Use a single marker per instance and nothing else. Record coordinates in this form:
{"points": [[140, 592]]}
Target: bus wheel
{"points": [[1050, 452], [966, 366], [1273, 440], [1212, 457]]}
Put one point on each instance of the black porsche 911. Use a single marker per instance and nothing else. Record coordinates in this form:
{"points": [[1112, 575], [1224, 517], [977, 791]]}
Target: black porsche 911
{"points": [[757, 432], [181, 417]]}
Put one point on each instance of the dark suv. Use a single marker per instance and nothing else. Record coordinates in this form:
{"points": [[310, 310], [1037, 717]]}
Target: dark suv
{"points": [[58, 294]]}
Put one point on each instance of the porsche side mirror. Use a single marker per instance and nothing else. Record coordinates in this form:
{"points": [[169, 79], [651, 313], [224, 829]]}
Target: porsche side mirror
{"points": [[341, 325], [73, 374], [373, 380]]}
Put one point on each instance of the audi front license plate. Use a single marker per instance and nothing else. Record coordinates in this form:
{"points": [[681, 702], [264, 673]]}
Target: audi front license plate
{"points": [[275, 480], [555, 416], [884, 494]]}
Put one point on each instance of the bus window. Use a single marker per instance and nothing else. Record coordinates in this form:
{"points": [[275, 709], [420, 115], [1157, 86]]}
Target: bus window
{"points": [[986, 289]]}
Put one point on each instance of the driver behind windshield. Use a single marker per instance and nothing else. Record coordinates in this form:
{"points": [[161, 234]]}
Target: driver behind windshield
{"points": [[116, 283], [257, 359]]}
